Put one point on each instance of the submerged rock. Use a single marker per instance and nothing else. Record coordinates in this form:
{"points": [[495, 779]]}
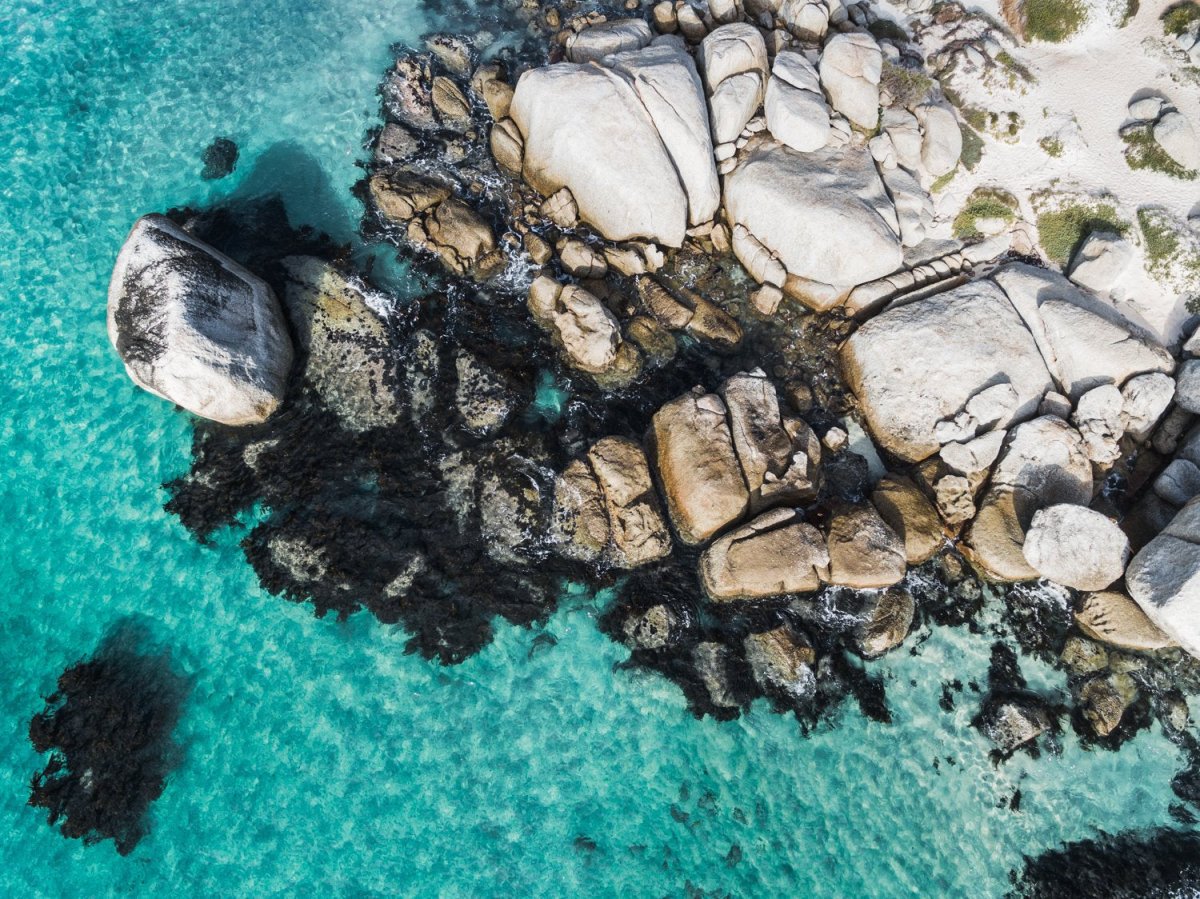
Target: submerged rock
{"points": [[1013, 721], [220, 159], [196, 328], [782, 661]]}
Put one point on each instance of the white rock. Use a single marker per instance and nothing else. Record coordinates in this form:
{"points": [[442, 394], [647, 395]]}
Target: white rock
{"points": [[194, 327], [976, 455], [1179, 482], [733, 103], [732, 49], [1177, 137], [941, 139], [825, 214], [918, 364], [1076, 547], [1100, 260], [913, 205], [905, 132], [1100, 420], [797, 71], [1187, 385], [798, 118], [1164, 578], [1145, 109], [633, 146], [1084, 341], [851, 66], [1144, 400], [723, 10], [994, 404], [600, 40], [805, 19]]}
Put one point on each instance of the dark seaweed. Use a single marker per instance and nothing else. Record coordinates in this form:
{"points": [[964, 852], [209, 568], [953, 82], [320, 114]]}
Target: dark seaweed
{"points": [[108, 728], [1130, 865]]}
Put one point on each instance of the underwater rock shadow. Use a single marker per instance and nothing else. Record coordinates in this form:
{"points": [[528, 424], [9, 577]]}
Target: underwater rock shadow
{"points": [[109, 728]]}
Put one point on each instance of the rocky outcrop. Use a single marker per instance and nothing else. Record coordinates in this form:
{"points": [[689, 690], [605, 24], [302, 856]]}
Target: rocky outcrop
{"points": [[1043, 464], [194, 327], [629, 138], [864, 552], [1076, 547], [697, 466], [921, 364], [907, 511], [1117, 620], [851, 66], [822, 218], [796, 112], [344, 342], [775, 554], [1164, 578], [586, 332]]}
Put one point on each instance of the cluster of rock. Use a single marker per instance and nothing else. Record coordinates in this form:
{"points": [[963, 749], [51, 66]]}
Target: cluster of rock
{"points": [[1169, 128]]}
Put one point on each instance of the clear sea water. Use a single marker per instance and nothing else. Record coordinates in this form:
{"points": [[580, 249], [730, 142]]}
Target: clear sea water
{"points": [[318, 757]]}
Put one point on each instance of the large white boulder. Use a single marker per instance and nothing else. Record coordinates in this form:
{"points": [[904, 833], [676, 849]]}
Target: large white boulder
{"points": [[1101, 259], [1175, 134], [941, 139], [730, 50], [196, 328], [631, 142], [1084, 341], [1076, 546], [732, 105], [796, 111], [851, 66], [825, 215], [1164, 578], [920, 364]]}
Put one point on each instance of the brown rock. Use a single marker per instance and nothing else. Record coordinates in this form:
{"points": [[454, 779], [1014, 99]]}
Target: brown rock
{"points": [[508, 146], [580, 522], [697, 466], [450, 102], [907, 512], [889, 616], [782, 660], [659, 302], [638, 532], [1117, 620], [864, 552], [399, 195], [775, 554]]}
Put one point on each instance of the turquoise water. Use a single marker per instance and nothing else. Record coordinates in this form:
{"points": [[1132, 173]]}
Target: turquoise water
{"points": [[317, 754]]}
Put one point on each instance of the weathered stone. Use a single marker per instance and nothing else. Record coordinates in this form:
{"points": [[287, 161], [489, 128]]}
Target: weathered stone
{"points": [[483, 400], [911, 516], [782, 660], [1164, 578], [775, 554], [194, 327], [594, 43], [653, 629], [697, 466], [864, 552], [1144, 399], [886, 620], [851, 66], [1115, 619], [1076, 547], [579, 526], [1179, 482], [638, 531]]}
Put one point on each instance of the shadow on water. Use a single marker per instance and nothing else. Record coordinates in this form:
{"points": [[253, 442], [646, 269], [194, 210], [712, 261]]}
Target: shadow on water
{"points": [[109, 729], [1153, 863]]}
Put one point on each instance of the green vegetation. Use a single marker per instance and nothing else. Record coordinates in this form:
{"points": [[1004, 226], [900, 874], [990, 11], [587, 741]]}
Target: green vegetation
{"points": [[984, 203], [940, 184], [1052, 146], [1128, 12], [908, 87], [1005, 59], [1053, 20], [1179, 18], [972, 148], [1142, 151], [1063, 228], [1162, 242]]}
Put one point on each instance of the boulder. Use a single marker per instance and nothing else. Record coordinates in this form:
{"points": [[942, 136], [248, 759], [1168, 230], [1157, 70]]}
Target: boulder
{"points": [[851, 66], [796, 112], [1179, 482], [1084, 341], [579, 523], [1175, 134], [1013, 721], [1117, 620], [864, 552], [775, 554], [344, 342], [711, 661], [825, 215], [1187, 385], [914, 207], [587, 333], [655, 628], [916, 365], [1044, 464], [483, 400], [638, 532], [1144, 399], [596, 131], [885, 620], [1104, 701], [941, 139], [194, 327], [1101, 260], [911, 516], [1076, 547], [732, 104], [1164, 578], [697, 466], [459, 236], [1099, 417], [594, 43], [782, 660], [731, 50], [779, 457]]}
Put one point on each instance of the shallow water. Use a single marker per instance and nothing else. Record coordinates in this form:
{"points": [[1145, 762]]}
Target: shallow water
{"points": [[317, 754]]}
